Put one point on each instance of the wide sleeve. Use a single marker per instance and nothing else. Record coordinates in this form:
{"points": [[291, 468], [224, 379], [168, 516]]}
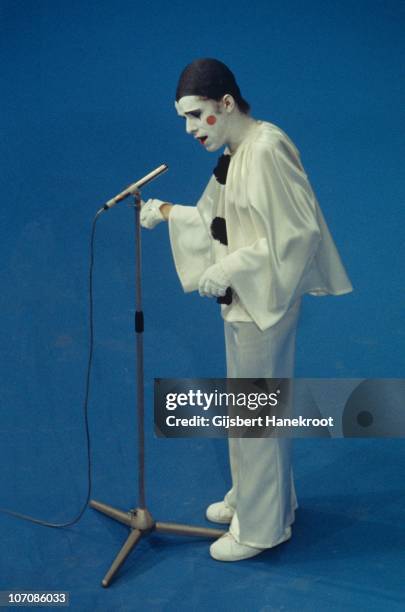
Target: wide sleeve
{"points": [[190, 244], [190, 236], [268, 274]]}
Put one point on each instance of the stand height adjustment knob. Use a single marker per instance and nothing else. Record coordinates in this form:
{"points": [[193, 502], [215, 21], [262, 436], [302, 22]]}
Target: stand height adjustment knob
{"points": [[139, 326]]}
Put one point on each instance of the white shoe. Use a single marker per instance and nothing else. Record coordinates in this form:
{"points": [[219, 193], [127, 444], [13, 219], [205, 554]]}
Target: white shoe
{"points": [[228, 549], [219, 512]]}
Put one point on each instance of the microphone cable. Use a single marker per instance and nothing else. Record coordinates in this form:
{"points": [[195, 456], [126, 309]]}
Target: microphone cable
{"points": [[27, 517]]}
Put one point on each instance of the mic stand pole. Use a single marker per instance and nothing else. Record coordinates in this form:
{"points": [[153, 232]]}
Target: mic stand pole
{"points": [[140, 520]]}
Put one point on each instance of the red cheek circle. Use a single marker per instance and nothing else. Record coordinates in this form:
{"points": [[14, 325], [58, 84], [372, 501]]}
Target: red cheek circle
{"points": [[211, 120]]}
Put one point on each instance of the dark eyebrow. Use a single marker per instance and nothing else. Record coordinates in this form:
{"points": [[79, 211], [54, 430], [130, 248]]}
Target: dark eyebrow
{"points": [[195, 112]]}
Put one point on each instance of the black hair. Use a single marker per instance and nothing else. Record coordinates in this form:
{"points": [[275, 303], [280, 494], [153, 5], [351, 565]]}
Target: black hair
{"points": [[210, 78]]}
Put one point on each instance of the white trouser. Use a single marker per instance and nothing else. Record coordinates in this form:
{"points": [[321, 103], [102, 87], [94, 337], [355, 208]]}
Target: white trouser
{"points": [[262, 492]]}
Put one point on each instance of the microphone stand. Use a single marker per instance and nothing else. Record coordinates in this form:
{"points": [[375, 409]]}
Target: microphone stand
{"points": [[140, 520]]}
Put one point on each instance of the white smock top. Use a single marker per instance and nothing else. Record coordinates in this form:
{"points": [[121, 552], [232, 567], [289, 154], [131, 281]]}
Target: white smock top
{"points": [[278, 244]]}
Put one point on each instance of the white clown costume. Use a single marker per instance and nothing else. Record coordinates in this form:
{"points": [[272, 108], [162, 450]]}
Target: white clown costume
{"points": [[275, 247]]}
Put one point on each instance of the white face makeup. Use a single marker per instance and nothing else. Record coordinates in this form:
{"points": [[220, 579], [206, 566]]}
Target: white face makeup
{"points": [[204, 121]]}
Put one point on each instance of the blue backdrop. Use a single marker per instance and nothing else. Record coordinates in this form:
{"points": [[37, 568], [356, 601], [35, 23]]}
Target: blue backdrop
{"points": [[87, 107]]}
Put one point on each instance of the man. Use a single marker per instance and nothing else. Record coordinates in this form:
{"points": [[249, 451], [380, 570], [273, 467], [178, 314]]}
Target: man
{"points": [[257, 241]]}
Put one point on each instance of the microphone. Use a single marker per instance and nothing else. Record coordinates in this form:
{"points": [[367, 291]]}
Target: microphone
{"points": [[131, 189]]}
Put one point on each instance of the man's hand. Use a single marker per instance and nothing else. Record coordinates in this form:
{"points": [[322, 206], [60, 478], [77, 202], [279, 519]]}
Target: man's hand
{"points": [[213, 282], [151, 213]]}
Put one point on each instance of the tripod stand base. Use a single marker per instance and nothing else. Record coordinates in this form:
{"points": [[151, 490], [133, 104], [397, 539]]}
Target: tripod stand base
{"points": [[142, 523]]}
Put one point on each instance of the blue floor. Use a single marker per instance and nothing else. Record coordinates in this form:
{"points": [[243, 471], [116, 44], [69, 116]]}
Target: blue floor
{"points": [[347, 550]]}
